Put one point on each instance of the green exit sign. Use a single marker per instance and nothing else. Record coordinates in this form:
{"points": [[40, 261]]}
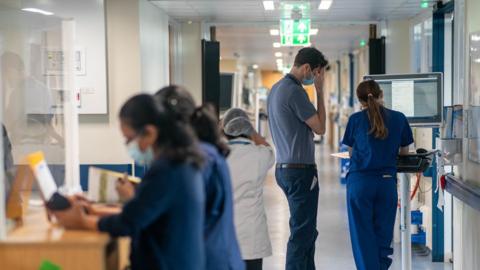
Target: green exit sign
{"points": [[295, 40], [292, 27], [295, 32]]}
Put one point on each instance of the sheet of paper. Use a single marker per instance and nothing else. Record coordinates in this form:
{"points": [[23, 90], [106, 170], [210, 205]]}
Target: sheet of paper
{"points": [[102, 185], [403, 97], [345, 155]]}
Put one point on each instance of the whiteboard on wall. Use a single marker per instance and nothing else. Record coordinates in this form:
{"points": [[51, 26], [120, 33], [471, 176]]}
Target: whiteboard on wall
{"points": [[90, 50]]}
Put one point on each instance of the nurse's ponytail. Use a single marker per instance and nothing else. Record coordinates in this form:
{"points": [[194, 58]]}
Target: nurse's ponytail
{"points": [[369, 94]]}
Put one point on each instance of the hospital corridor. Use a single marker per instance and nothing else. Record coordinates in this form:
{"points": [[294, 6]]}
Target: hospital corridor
{"points": [[240, 135]]}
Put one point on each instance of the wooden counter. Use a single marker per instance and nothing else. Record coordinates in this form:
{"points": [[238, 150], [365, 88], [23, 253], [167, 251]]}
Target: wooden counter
{"points": [[26, 247]]}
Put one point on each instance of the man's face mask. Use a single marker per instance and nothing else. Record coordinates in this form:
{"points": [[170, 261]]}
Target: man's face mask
{"points": [[308, 80]]}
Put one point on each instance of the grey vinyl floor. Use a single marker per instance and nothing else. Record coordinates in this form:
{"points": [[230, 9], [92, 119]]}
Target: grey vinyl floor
{"points": [[333, 250]]}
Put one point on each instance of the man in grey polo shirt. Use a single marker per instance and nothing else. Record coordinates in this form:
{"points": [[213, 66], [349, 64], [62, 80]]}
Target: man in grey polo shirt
{"points": [[293, 119]]}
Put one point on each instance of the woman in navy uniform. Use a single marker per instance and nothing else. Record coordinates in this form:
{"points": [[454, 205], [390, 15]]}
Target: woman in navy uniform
{"points": [[221, 246], [165, 217], [375, 136]]}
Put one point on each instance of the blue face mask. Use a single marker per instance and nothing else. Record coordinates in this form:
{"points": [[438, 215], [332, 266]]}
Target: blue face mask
{"points": [[308, 81], [141, 157]]}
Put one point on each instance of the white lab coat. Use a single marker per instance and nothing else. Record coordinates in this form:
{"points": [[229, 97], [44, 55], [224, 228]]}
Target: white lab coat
{"points": [[249, 165]]}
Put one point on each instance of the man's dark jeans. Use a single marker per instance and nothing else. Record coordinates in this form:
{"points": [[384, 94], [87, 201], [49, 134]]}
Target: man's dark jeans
{"points": [[301, 188]]}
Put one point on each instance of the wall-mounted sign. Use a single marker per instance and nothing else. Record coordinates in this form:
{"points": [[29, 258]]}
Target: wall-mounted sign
{"points": [[295, 32]]}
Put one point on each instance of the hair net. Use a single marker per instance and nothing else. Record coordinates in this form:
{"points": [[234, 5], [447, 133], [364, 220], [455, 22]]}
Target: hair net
{"points": [[238, 126], [234, 113]]}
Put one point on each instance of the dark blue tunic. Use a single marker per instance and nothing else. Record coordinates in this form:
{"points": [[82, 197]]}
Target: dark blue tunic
{"points": [[165, 219]]}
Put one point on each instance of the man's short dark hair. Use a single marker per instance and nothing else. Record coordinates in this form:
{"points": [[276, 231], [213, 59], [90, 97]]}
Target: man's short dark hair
{"points": [[311, 56]]}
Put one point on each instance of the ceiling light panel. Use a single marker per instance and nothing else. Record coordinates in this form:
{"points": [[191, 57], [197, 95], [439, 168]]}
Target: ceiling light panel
{"points": [[39, 11], [274, 32], [268, 5], [325, 4]]}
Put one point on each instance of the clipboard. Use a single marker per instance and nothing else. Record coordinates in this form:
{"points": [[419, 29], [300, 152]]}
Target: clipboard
{"points": [[342, 155]]}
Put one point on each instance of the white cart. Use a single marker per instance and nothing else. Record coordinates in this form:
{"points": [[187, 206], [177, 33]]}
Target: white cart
{"points": [[412, 163]]}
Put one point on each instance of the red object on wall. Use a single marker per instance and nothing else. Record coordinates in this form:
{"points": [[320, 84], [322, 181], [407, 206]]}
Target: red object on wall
{"points": [[443, 182]]}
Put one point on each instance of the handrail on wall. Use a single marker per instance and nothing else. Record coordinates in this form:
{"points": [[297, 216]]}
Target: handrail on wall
{"points": [[465, 191]]}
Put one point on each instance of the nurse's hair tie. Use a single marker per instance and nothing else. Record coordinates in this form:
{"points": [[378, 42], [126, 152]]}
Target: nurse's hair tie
{"points": [[173, 102], [370, 95]]}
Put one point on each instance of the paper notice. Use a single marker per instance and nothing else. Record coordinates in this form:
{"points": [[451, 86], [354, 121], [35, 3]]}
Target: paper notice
{"points": [[403, 97], [345, 155]]}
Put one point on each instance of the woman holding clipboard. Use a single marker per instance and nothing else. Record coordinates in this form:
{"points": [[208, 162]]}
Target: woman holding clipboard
{"points": [[165, 217]]}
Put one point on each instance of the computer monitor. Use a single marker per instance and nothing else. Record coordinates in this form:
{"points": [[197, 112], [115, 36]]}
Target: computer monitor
{"points": [[418, 96]]}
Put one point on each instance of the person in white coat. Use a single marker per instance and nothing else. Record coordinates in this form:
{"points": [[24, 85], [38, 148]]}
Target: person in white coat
{"points": [[250, 159]]}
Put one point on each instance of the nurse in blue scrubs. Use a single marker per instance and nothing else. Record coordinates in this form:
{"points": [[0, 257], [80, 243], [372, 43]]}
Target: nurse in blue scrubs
{"points": [[221, 246], [375, 136], [165, 218]]}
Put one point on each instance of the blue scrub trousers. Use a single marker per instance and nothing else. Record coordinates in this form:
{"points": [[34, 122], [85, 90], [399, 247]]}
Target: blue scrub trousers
{"points": [[372, 201], [302, 195]]}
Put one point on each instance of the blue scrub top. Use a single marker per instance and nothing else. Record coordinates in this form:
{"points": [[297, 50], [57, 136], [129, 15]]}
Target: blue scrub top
{"points": [[371, 155], [164, 219], [221, 245]]}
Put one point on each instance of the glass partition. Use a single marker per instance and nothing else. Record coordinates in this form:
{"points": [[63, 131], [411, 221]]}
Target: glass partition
{"points": [[421, 44], [472, 164], [35, 85]]}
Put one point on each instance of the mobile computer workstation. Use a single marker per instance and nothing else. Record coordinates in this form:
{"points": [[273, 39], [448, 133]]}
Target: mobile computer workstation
{"points": [[420, 98]]}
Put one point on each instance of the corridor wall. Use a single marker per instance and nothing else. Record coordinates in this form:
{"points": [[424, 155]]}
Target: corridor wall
{"points": [[398, 46], [100, 139], [467, 220], [137, 53], [154, 45], [270, 77], [191, 58]]}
